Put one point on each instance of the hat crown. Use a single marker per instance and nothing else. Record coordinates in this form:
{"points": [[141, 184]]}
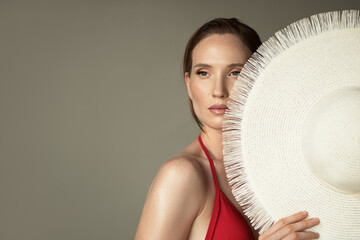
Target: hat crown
{"points": [[331, 140]]}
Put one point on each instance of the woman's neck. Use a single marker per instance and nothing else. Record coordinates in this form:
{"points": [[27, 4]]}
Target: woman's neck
{"points": [[212, 139]]}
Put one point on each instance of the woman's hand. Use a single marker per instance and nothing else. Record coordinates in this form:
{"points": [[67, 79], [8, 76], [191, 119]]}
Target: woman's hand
{"points": [[292, 227]]}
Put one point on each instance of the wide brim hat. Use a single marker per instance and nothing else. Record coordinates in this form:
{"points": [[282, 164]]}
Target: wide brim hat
{"points": [[291, 135]]}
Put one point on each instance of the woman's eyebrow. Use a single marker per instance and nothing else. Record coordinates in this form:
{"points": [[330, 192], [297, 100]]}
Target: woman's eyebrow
{"points": [[202, 65], [229, 66], [236, 65]]}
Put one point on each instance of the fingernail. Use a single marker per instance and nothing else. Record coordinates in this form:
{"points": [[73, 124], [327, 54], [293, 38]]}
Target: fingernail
{"points": [[317, 235], [315, 220], [304, 213]]}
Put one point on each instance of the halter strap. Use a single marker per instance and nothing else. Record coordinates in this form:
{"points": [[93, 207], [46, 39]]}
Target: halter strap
{"points": [[210, 161]]}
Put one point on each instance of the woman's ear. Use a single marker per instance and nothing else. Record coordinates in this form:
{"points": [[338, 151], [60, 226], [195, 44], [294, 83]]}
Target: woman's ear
{"points": [[187, 82]]}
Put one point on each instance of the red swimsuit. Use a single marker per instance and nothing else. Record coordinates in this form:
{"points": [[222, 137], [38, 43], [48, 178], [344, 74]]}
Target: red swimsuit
{"points": [[226, 222]]}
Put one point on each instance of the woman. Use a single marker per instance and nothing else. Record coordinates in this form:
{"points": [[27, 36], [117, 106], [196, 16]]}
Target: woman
{"points": [[190, 197]]}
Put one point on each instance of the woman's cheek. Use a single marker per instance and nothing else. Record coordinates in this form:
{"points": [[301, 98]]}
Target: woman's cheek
{"points": [[200, 90]]}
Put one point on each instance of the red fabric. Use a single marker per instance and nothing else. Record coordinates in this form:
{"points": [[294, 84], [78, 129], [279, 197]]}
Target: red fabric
{"points": [[226, 222]]}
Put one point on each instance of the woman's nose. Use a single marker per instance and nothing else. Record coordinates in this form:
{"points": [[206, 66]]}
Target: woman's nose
{"points": [[220, 88]]}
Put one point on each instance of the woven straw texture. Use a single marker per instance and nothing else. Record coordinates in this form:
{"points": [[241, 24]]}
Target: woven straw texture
{"points": [[263, 133]]}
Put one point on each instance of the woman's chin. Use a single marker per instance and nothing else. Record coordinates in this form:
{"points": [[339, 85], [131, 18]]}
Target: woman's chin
{"points": [[215, 125]]}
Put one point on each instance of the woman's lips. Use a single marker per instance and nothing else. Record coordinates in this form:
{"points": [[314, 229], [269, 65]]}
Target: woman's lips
{"points": [[218, 108]]}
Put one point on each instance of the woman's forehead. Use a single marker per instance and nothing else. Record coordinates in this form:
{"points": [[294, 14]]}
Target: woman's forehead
{"points": [[220, 48]]}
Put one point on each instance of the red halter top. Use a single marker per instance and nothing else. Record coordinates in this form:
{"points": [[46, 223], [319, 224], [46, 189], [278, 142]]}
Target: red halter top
{"points": [[226, 222]]}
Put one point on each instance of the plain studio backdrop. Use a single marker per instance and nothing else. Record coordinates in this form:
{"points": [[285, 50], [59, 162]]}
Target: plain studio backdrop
{"points": [[93, 101]]}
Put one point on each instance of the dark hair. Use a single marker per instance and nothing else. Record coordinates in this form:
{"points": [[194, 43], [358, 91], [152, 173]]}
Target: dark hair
{"points": [[246, 34]]}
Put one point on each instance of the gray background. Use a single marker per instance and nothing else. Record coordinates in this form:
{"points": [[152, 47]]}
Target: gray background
{"points": [[92, 102]]}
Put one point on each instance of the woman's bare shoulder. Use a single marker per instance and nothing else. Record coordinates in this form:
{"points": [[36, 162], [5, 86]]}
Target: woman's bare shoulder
{"points": [[175, 198], [186, 167]]}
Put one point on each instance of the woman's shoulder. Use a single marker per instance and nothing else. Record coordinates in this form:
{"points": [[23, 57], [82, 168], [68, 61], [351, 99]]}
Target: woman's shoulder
{"points": [[185, 173], [187, 168], [175, 198]]}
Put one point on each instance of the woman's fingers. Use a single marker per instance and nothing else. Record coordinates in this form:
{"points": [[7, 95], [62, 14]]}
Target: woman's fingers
{"points": [[286, 221], [292, 227], [301, 235]]}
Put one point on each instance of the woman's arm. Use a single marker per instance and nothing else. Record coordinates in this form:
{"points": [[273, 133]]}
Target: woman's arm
{"points": [[175, 198]]}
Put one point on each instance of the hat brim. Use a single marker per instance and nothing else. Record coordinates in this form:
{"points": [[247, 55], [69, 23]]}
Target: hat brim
{"points": [[262, 135]]}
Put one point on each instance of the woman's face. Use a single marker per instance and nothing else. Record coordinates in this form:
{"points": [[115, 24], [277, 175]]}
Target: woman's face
{"points": [[216, 63]]}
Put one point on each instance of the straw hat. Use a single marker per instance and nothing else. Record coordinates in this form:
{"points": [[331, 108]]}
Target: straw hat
{"points": [[291, 135]]}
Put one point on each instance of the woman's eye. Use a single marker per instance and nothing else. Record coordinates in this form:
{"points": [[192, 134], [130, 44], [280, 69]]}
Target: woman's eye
{"points": [[235, 73], [202, 73]]}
